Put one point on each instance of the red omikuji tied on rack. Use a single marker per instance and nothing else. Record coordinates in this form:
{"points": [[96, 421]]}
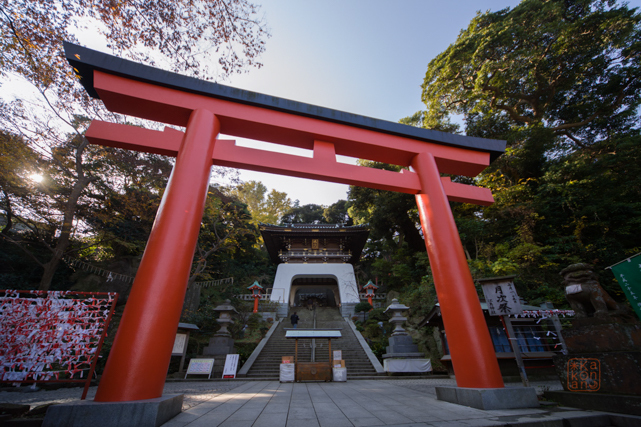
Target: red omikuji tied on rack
{"points": [[52, 336]]}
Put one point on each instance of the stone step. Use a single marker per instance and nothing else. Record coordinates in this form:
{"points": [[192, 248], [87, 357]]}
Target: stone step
{"points": [[267, 364]]}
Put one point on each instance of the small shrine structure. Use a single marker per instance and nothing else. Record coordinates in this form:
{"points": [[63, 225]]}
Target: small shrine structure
{"points": [[256, 291], [315, 264], [370, 289]]}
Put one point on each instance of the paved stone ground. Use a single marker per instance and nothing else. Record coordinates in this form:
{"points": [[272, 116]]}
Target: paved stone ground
{"points": [[400, 403], [391, 402], [196, 392]]}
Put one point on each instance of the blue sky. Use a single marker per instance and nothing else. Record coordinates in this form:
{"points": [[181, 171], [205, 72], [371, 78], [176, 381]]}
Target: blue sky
{"points": [[366, 57]]}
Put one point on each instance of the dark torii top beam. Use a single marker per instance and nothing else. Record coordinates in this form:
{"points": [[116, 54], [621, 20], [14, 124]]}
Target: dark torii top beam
{"points": [[85, 61]]}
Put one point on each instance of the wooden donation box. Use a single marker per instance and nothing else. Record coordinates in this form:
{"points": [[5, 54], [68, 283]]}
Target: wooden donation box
{"points": [[313, 371]]}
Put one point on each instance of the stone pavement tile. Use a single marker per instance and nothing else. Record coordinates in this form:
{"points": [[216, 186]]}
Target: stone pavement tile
{"points": [[276, 408], [366, 421], [419, 415], [391, 417], [334, 422], [481, 422], [244, 415], [300, 413], [271, 420], [413, 425], [236, 423], [326, 408], [348, 406], [303, 422], [206, 421], [174, 423], [184, 418], [255, 405], [317, 394], [444, 424], [354, 412]]}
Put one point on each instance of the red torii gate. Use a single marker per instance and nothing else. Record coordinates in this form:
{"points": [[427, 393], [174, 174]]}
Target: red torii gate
{"points": [[141, 352]]}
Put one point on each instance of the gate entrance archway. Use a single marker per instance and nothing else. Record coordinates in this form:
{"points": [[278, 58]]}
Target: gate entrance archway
{"points": [[315, 292], [141, 351]]}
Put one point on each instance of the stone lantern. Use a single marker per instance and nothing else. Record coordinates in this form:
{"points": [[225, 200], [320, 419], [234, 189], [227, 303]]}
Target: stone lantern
{"points": [[225, 312], [401, 345], [222, 343], [397, 309]]}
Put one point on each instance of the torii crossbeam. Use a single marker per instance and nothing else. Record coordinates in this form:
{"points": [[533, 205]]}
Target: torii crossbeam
{"points": [[141, 352]]}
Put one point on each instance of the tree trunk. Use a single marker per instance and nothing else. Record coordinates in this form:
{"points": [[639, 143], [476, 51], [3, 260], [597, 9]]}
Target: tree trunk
{"points": [[49, 270], [65, 232]]}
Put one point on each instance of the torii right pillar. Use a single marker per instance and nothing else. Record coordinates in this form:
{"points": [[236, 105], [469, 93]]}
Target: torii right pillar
{"points": [[476, 368]]}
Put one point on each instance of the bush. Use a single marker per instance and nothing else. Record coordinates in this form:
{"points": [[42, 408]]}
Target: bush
{"points": [[362, 306]]}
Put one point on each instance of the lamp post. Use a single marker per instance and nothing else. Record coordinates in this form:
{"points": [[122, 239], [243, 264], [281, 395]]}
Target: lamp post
{"points": [[370, 289], [256, 291]]}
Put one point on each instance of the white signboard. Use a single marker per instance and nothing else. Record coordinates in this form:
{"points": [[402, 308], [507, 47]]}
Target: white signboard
{"points": [[501, 298], [179, 345], [231, 366], [200, 367]]}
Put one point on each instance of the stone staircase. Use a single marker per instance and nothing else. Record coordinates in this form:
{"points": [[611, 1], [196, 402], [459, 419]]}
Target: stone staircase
{"points": [[267, 364]]}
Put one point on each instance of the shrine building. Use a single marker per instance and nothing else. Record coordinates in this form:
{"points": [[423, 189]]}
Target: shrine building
{"points": [[315, 264]]}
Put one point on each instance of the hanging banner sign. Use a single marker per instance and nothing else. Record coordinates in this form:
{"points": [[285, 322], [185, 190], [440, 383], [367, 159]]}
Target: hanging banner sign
{"points": [[628, 274], [501, 297], [231, 366]]}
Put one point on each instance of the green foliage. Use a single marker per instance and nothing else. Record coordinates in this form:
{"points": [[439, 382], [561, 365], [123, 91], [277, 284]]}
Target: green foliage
{"points": [[264, 207], [561, 83], [362, 306], [378, 315], [572, 67]]}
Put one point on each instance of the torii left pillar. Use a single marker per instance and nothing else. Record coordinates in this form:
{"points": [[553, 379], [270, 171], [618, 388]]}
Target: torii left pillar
{"points": [[156, 297]]}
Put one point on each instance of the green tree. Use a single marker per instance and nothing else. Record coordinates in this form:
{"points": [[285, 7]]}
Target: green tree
{"points": [[560, 81], [264, 207], [572, 68], [391, 216], [306, 214], [182, 34]]}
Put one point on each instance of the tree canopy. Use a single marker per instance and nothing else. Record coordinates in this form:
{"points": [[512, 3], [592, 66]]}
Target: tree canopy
{"points": [[561, 82], [47, 117], [571, 67]]}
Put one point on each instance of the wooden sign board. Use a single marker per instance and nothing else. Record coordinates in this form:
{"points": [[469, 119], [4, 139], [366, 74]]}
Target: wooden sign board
{"points": [[231, 366], [179, 345], [501, 298], [200, 367]]}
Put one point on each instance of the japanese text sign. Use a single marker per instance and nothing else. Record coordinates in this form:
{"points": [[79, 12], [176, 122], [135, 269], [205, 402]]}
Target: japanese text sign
{"points": [[501, 298]]}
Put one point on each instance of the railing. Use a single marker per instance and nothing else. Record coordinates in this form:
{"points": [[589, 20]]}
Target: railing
{"points": [[250, 297], [315, 255], [382, 295]]}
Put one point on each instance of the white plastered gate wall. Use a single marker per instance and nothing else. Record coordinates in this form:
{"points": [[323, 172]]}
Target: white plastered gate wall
{"points": [[342, 273]]}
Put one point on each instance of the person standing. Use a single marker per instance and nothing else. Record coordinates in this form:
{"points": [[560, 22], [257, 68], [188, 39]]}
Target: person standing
{"points": [[294, 319]]}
